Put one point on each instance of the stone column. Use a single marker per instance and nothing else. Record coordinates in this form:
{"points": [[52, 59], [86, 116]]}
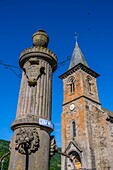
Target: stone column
{"points": [[32, 127]]}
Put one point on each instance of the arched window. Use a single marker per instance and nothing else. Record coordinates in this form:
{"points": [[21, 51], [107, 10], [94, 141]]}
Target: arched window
{"points": [[71, 84], [89, 83], [73, 129]]}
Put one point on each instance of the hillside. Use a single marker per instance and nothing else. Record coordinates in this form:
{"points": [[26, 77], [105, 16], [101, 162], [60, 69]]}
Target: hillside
{"points": [[55, 163]]}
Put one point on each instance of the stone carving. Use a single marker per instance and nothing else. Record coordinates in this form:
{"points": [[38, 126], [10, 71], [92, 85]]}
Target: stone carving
{"points": [[27, 140], [32, 71], [53, 146], [40, 38]]}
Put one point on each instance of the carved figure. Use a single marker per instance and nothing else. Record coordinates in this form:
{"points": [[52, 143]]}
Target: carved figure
{"points": [[27, 140]]}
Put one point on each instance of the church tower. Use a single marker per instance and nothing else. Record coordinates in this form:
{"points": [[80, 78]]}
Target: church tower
{"points": [[81, 107]]}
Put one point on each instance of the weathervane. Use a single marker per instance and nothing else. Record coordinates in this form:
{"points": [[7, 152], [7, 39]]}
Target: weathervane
{"points": [[76, 36]]}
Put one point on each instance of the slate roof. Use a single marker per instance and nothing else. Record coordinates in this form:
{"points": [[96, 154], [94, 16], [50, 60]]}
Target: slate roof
{"points": [[108, 112], [77, 57]]}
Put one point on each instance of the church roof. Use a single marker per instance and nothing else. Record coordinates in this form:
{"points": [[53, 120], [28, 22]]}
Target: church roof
{"points": [[108, 111], [77, 57], [78, 62], [109, 114]]}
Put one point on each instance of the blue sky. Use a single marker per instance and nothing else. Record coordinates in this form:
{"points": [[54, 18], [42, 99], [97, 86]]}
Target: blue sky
{"points": [[91, 19]]}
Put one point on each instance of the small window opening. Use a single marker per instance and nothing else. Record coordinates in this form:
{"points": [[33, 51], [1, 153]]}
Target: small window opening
{"points": [[72, 85], [73, 129], [89, 84]]}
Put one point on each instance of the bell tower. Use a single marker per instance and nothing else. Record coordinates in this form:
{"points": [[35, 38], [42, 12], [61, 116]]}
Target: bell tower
{"points": [[80, 93]]}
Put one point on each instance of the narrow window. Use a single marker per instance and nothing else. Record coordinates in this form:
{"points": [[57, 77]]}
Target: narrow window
{"points": [[72, 85], [73, 129], [89, 84]]}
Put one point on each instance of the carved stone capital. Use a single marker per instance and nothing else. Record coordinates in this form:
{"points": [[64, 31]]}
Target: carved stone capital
{"points": [[39, 52]]}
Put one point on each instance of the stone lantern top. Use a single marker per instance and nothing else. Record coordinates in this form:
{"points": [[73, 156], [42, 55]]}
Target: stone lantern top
{"points": [[40, 38], [39, 50]]}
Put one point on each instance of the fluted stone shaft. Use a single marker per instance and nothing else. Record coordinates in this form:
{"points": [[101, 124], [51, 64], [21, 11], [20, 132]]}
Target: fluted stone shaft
{"points": [[36, 100], [32, 127]]}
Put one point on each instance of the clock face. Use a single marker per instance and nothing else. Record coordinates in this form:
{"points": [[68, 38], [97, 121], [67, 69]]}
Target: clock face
{"points": [[72, 106]]}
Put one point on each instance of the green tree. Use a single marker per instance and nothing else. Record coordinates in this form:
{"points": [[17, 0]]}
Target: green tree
{"points": [[4, 148], [55, 162]]}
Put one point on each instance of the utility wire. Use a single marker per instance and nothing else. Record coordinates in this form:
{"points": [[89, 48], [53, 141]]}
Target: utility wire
{"points": [[62, 63], [18, 75], [12, 67]]}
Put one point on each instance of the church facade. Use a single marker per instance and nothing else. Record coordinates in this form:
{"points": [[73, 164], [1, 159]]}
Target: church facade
{"points": [[87, 127]]}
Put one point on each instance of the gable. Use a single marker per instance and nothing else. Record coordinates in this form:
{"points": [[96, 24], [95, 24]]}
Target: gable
{"points": [[73, 147]]}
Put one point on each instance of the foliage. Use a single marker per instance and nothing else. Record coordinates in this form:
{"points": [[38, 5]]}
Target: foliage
{"points": [[55, 163], [4, 148], [5, 163]]}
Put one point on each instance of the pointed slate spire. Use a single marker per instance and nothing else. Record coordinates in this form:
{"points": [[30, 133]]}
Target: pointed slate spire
{"points": [[77, 57]]}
